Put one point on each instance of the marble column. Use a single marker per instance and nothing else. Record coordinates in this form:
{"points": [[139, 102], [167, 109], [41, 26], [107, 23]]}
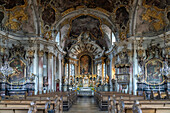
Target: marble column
{"points": [[54, 73], [35, 70], [40, 71], [76, 72], [68, 75], [110, 73], [50, 70], [135, 66], [103, 69], [61, 70]]}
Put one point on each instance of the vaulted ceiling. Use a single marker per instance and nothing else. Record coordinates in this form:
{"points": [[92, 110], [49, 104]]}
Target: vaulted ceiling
{"points": [[125, 18]]}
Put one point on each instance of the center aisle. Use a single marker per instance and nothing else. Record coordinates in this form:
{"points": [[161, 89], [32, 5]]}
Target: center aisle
{"points": [[85, 105]]}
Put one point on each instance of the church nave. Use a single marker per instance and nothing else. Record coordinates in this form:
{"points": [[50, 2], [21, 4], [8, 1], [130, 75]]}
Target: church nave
{"points": [[85, 105]]}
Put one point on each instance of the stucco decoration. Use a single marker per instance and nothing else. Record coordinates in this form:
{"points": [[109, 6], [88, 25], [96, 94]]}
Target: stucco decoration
{"points": [[63, 5], [152, 17], [15, 19], [29, 24], [122, 22]]}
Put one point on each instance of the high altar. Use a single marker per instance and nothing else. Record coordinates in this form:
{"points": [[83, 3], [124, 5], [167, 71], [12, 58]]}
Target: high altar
{"points": [[81, 73]]}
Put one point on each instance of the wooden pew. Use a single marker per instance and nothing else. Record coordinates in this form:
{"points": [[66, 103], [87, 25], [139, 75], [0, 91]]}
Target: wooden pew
{"points": [[146, 106], [68, 98], [102, 98], [24, 104]]}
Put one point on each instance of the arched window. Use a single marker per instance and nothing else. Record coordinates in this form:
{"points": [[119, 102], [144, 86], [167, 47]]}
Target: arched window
{"points": [[72, 70], [99, 69], [58, 38], [113, 38], [66, 70]]}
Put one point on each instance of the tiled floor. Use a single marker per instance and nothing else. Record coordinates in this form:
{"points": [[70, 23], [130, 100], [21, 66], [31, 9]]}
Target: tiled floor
{"points": [[85, 105]]}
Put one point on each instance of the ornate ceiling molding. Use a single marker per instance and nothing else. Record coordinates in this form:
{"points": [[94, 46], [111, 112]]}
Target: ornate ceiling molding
{"points": [[85, 44], [86, 11]]}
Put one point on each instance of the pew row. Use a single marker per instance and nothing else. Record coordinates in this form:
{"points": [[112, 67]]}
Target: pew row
{"points": [[102, 98], [68, 98], [42, 102], [142, 106], [28, 106]]}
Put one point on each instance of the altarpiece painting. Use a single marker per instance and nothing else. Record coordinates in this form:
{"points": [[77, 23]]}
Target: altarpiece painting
{"points": [[153, 74], [85, 65], [19, 72]]}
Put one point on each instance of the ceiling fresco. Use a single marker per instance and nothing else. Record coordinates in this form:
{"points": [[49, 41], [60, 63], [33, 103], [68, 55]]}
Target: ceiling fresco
{"points": [[122, 16], [50, 19], [85, 23], [152, 17], [9, 4], [63, 5], [149, 18], [161, 4]]}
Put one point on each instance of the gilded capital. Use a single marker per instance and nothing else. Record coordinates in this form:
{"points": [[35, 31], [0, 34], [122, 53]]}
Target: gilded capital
{"points": [[3, 50], [30, 53], [50, 55], [40, 53]]}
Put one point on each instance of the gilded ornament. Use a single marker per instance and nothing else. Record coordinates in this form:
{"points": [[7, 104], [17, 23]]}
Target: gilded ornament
{"points": [[50, 55], [48, 35], [123, 36], [31, 53], [16, 19], [40, 53], [140, 52], [150, 6], [150, 16], [67, 11], [3, 50]]}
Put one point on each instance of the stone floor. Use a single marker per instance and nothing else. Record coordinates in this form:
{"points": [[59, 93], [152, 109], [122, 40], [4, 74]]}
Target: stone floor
{"points": [[85, 105]]}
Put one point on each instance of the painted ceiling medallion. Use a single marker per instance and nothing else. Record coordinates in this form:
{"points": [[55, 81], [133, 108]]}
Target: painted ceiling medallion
{"points": [[85, 23]]}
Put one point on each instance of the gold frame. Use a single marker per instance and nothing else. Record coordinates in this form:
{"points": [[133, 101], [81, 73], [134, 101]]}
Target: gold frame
{"points": [[79, 63], [146, 71], [16, 83]]}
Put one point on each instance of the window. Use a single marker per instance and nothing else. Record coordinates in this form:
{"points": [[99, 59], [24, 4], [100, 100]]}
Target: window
{"points": [[58, 38], [113, 38], [99, 69], [72, 70]]}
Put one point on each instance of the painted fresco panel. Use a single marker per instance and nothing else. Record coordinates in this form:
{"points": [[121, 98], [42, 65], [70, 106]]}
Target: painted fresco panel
{"points": [[18, 75], [85, 65], [153, 72]]}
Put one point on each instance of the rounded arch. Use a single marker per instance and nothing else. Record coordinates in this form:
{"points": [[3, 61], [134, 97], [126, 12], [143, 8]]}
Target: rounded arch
{"points": [[104, 17]]}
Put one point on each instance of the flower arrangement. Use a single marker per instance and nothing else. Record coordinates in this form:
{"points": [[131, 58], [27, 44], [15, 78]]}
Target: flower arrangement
{"points": [[78, 88], [92, 88]]}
